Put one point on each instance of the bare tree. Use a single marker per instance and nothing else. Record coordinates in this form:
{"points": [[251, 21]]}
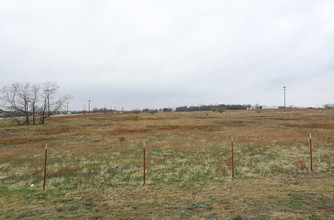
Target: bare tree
{"points": [[328, 105], [35, 90], [17, 100], [27, 101], [24, 96], [8, 97], [51, 106], [48, 89]]}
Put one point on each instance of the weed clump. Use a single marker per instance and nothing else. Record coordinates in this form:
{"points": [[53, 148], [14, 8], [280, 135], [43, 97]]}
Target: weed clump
{"points": [[300, 165], [238, 217]]}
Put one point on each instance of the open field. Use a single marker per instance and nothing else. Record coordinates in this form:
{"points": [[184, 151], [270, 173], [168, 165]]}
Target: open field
{"points": [[95, 166]]}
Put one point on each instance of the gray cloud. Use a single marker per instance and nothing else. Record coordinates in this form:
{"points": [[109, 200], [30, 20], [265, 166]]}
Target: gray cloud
{"points": [[147, 53]]}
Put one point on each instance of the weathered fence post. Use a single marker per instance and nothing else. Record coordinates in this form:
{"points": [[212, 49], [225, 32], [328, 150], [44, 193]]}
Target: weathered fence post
{"points": [[46, 152], [232, 158], [144, 161], [311, 151]]}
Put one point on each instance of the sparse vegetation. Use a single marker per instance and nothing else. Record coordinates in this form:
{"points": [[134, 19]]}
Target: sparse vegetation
{"points": [[137, 111], [135, 118], [220, 110], [153, 111], [95, 166]]}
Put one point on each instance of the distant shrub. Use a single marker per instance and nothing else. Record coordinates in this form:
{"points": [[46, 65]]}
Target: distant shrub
{"points": [[221, 110], [136, 111], [135, 118], [153, 111]]}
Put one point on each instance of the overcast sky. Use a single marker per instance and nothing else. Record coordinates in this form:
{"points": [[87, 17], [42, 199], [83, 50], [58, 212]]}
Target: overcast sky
{"points": [[137, 54]]}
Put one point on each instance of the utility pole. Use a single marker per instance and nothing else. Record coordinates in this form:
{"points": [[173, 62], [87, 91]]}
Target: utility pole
{"points": [[89, 106], [67, 107], [284, 88]]}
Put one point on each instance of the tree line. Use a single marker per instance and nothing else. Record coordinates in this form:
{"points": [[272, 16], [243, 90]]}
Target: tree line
{"points": [[28, 103], [210, 107]]}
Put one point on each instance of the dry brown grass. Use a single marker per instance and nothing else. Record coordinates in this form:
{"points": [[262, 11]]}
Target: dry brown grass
{"points": [[95, 166]]}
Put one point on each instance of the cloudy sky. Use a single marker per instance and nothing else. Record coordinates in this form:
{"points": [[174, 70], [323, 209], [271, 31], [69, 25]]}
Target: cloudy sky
{"points": [[137, 54]]}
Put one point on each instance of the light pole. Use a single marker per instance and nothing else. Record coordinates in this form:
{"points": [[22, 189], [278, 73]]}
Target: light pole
{"points": [[89, 106], [284, 88]]}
